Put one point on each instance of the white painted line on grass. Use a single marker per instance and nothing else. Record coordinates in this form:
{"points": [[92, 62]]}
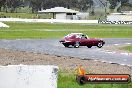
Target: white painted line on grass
{"points": [[116, 44], [128, 43], [124, 54]]}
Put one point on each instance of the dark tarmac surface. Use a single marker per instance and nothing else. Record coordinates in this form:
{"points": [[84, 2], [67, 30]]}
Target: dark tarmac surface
{"points": [[52, 46]]}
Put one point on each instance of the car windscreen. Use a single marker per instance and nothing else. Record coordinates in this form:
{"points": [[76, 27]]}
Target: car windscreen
{"points": [[70, 36]]}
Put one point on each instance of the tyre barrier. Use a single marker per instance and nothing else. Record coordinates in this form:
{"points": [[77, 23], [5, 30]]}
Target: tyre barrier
{"points": [[115, 22], [103, 78]]}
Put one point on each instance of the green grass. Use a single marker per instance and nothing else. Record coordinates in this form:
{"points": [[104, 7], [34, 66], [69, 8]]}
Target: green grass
{"points": [[66, 80], [49, 30], [127, 48], [25, 15]]}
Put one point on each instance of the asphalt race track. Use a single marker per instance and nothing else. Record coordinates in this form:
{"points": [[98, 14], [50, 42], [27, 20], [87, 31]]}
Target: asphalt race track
{"points": [[52, 46]]}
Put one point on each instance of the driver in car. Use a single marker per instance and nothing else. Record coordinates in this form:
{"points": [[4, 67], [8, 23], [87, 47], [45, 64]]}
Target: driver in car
{"points": [[84, 37]]}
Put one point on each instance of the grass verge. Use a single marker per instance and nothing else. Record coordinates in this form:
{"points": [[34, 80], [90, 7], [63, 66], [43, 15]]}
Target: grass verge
{"points": [[48, 30], [24, 15], [127, 48]]}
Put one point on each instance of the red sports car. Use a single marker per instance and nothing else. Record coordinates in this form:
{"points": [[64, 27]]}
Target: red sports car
{"points": [[80, 39]]}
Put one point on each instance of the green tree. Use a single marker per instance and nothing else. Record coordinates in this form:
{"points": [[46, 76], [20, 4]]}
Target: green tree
{"points": [[2, 3]]}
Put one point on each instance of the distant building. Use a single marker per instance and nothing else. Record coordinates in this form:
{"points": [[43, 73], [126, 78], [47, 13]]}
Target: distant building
{"points": [[61, 13], [124, 16], [64, 13]]}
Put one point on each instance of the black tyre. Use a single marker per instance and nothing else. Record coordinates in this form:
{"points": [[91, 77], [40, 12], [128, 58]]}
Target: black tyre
{"points": [[66, 45], [89, 46], [81, 80], [76, 45], [100, 44]]}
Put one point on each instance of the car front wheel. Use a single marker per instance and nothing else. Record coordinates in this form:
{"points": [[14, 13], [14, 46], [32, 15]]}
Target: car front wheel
{"points": [[66, 45], [100, 44], [76, 45]]}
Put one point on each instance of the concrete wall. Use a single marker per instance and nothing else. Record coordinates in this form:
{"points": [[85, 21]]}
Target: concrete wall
{"points": [[28, 76], [48, 20]]}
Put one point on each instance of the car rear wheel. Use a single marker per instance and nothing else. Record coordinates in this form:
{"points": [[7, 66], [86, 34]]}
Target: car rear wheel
{"points": [[76, 45], [100, 44], [89, 46]]}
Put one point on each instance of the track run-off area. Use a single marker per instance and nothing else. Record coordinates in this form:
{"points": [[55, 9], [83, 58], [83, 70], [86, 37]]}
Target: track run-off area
{"points": [[53, 47]]}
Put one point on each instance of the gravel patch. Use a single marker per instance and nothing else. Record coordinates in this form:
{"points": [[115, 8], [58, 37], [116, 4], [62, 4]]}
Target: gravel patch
{"points": [[12, 57]]}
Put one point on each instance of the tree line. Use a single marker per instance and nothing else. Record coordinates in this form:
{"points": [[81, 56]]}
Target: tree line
{"points": [[36, 5], [115, 2]]}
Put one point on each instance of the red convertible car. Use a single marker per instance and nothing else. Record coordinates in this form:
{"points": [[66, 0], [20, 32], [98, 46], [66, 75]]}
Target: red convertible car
{"points": [[80, 39]]}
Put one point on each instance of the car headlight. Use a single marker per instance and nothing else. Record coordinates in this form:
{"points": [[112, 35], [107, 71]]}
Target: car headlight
{"points": [[67, 41]]}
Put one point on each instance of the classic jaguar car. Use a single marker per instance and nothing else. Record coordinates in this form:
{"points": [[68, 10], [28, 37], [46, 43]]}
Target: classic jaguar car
{"points": [[80, 39]]}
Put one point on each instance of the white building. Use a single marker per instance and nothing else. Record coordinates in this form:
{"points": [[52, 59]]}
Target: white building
{"points": [[124, 16], [61, 13]]}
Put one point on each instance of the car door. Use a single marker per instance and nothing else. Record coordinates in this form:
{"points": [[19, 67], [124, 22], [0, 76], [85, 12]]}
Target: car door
{"points": [[91, 42], [83, 41], [94, 42]]}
